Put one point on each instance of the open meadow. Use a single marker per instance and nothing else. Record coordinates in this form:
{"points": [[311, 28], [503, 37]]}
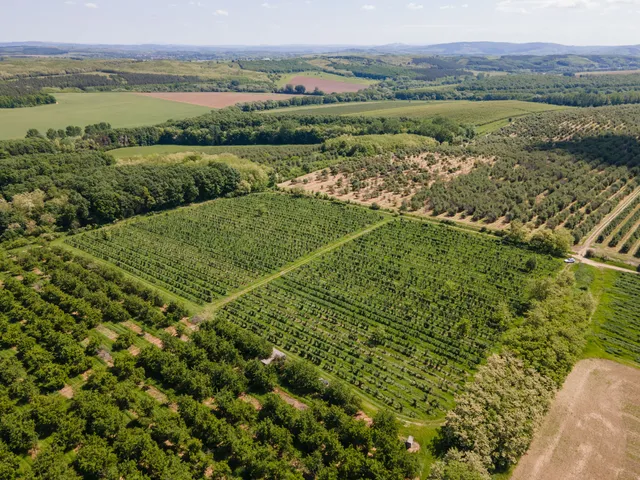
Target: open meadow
{"points": [[487, 116], [81, 109], [216, 99]]}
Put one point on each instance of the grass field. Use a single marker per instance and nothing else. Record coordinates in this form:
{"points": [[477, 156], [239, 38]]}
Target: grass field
{"points": [[118, 109], [12, 67], [285, 79], [490, 115], [616, 322], [240, 150]]}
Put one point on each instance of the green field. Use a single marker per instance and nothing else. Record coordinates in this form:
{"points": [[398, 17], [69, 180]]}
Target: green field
{"points": [[490, 114], [118, 109], [211, 250], [616, 322], [286, 79], [240, 150]]}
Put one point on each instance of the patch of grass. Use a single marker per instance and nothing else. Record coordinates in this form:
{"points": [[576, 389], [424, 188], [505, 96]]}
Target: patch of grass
{"points": [[12, 67], [118, 109], [615, 328], [240, 150], [286, 79], [490, 114]]}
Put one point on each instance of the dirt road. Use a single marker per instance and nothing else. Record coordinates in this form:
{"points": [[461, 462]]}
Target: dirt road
{"points": [[591, 431], [606, 221]]}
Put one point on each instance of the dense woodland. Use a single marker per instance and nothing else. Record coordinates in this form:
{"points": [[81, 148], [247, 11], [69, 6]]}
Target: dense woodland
{"points": [[43, 192]]}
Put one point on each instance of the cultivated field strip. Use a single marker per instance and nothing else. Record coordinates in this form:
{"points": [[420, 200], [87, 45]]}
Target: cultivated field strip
{"points": [[620, 218], [206, 252], [403, 313], [619, 333]]}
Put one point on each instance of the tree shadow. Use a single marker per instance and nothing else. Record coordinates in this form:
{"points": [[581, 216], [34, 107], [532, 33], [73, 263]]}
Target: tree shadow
{"points": [[602, 151]]}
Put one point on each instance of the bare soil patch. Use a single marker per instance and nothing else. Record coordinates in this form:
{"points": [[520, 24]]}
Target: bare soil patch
{"points": [[66, 392], [156, 394], [251, 401], [216, 99], [403, 179], [364, 417], [106, 357], [592, 431], [327, 86], [297, 404], [153, 340], [133, 327], [133, 350], [110, 334]]}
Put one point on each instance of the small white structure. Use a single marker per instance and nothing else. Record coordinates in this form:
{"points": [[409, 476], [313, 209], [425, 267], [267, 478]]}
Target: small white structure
{"points": [[409, 442], [275, 354]]}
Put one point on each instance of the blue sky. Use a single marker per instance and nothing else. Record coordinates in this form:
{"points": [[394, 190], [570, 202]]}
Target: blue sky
{"points": [[364, 22]]}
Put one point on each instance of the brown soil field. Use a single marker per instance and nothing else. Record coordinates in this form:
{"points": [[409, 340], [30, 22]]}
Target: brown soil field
{"points": [[216, 99], [327, 86], [592, 431], [374, 189]]}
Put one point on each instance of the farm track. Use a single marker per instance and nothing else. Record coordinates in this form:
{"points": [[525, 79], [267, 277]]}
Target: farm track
{"points": [[607, 220], [212, 307], [582, 251]]}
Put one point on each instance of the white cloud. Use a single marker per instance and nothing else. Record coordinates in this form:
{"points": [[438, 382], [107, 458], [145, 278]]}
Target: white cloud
{"points": [[222, 13], [526, 6], [268, 5], [91, 5], [415, 6], [368, 7], [447, 7]]}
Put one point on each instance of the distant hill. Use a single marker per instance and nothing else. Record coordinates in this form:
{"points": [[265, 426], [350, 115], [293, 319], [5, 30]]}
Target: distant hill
{"points": [[502, 48], [261, 51]]}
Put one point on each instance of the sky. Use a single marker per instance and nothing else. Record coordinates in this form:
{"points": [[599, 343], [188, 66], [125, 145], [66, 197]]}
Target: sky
{"points": [[353, 22]]}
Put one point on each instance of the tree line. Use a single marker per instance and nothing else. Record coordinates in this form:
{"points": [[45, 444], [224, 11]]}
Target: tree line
{"points": [[44, 192], [497, 414]]}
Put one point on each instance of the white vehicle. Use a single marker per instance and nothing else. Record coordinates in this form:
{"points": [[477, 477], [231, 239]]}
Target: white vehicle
{"points": [[570, 260]]}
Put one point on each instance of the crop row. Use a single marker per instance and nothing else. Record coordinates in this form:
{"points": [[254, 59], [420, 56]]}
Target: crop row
{"points": [[625, 229], [631, 241], [202, 253], [78, 403], [620, 331], [615, 223], [403, 313]]}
